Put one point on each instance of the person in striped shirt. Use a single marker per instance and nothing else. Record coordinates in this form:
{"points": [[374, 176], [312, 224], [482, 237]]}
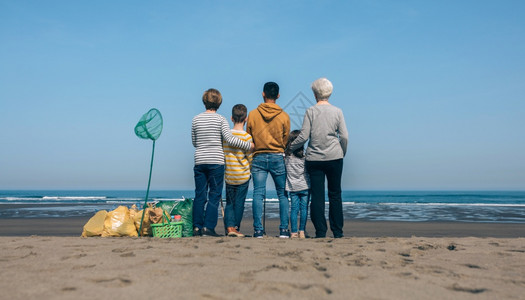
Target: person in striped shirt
{"points": [[237, 174], [208, 130], [297, 186]]}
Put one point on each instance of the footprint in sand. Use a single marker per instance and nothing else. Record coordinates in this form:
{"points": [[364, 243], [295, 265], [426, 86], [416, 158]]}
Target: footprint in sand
{"points": [[424, 247], [319, 267], [30, 254], [405, 254], [359, 261], [312, 286], [283, 287], [83, 267], [516, 250], [120, 250], [456, 287], [292, 254], [208, 296], [113, 282], [471, 266], [80, 246], [74, 256], [24, 247], [265, 269], [407, 275]]}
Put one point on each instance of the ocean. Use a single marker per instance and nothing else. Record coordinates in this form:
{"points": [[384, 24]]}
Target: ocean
{"points": [[414, 206]]}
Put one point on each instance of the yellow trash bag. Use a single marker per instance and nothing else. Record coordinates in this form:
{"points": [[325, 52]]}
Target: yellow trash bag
{"points": [[119, 223], [95, 225], [136, 215]]}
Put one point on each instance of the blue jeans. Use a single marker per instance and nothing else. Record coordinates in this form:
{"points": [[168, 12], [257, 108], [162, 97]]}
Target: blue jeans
{"points": [[209, 180], [235, 198], [263, 164], [299, 201]]}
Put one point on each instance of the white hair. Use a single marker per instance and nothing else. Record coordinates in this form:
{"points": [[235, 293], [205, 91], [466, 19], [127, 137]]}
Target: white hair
{"points": [[322, 88]]}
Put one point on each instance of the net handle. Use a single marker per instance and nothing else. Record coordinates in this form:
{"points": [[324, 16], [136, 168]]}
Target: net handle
{"points": [[166, 217], [147, 191]]}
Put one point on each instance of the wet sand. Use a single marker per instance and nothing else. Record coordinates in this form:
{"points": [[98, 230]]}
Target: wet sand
{"points": [[73, 227]]}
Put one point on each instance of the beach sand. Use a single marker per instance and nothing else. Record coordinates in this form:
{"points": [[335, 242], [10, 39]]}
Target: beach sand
{"points": [[374, 261]]}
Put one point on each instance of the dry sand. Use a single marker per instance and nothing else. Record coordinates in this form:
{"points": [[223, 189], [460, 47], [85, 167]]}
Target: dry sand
{"points": [[47, 267]]}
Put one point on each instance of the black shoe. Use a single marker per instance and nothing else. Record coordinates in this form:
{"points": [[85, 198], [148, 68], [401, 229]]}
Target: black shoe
{"points": [[320, 235], [209, 232], [197, 231]]}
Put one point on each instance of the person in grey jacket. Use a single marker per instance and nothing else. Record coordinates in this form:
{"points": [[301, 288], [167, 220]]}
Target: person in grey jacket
{"points": [[297, 186], [325, 130]]}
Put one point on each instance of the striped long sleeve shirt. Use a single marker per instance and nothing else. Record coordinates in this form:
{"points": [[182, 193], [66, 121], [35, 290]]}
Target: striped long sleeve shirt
{"points": [[297, 178], [207, 133], [238, 161]]}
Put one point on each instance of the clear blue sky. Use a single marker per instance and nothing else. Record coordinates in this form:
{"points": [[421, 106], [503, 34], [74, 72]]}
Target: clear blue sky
{"points": [[433, 92]]}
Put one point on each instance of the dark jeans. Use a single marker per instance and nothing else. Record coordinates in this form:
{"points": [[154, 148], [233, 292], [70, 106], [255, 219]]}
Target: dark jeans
{"points": [[332, 170], [235, 198], [209, 180]]}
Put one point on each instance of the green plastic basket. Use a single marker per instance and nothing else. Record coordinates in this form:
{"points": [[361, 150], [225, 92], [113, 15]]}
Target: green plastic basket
{"points": [[167, 230]]}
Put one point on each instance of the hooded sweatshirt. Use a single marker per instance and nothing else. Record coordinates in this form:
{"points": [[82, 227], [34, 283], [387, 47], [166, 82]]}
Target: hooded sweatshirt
{"points": [[269, 127]]}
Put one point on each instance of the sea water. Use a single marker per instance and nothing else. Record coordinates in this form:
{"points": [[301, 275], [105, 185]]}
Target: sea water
{"points": [[467, 206]]}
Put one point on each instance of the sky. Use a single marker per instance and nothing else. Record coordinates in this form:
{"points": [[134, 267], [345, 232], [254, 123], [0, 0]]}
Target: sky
{"points": [[433, 92]]}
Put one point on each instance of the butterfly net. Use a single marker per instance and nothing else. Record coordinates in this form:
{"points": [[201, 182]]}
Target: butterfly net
{"points": [[150, 125]]}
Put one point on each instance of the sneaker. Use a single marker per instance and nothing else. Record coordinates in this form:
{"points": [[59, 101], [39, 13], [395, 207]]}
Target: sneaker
{"points": [[284, 233], [258, 234], [232, 231], [209, 232], [302, 235], [197, 231], [294, 235]]}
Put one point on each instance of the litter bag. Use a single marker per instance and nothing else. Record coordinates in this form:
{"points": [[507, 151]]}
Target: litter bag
{"points": [[185, 210], [119, 223], [95, 225], [136, 215], [156, 215]]}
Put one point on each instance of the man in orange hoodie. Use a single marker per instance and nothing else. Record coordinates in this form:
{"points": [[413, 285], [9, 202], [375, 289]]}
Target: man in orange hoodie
{"points": [[269, 126]]}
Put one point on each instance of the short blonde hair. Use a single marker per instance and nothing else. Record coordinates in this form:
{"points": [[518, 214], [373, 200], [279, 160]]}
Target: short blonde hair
{"points": [[212, 99], [322, 88]]}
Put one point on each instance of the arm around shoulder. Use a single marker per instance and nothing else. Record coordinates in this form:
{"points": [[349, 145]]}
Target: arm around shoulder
{"points": [[231, 139], [304, 135]]}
